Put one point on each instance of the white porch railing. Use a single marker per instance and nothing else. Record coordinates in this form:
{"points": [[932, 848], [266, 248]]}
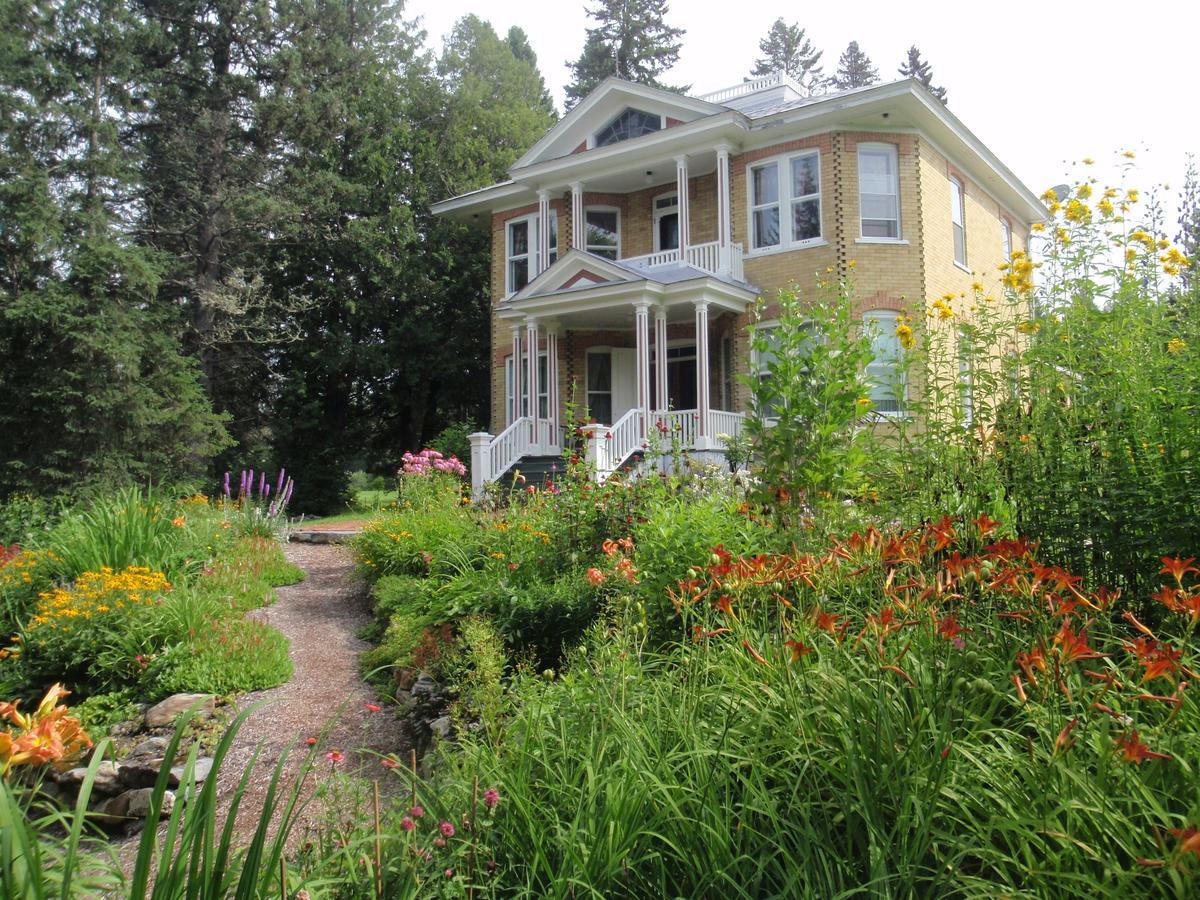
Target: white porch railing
{"points": [[608, 446], [710, 257]]}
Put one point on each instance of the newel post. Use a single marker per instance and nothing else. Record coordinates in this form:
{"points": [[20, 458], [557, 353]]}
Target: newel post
{"points": [[598, 439], [480, 459]]}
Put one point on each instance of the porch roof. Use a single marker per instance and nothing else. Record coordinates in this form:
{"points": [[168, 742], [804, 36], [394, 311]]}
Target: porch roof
{"points": [[583, 286]]}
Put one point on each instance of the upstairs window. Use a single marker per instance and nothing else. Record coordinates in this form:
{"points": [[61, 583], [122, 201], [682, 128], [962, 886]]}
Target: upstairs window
{"points": [[958, 221], [879, 191], [603, 232], [631, 123], [885, 372], [521, 252], [785, 201]]}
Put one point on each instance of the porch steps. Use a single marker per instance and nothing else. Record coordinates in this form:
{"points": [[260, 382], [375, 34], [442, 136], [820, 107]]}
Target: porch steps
{"points": [[536, 470]]}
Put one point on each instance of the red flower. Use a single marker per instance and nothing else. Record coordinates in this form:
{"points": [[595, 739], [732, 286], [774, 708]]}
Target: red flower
{"points": [[985, 525], [595, 577], [1189, 839], [373, 707], [948, 628], [1073, 647], [447, 829], [335, 757], [798, 649], [312, 741], [1168, 597], [1177, 568], [388, 763], [491, 797], [1133, 750]]}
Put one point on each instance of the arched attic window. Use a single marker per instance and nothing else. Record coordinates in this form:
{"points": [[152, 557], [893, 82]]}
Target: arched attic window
{"points": [[631, 123]]}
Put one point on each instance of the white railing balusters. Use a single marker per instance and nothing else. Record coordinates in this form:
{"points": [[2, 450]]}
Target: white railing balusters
{"points": [[626, 438]]}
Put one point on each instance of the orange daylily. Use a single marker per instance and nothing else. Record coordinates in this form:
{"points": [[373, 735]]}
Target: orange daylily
{"points": [[1177, 568], [1133, 750]]}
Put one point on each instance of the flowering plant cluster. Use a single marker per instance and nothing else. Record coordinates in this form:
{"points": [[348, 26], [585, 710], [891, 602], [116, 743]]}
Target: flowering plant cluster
{"points": [[93, 630], [429, 461], [449, 855], [46, 736], [1084, 675], [258, 493]]}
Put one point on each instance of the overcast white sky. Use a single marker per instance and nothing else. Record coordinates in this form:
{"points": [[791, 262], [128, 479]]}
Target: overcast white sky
{"points": [[1044, 84]]}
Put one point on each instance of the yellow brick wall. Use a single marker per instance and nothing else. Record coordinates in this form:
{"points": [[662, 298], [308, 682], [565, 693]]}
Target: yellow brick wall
{"points": [[909, 275]]}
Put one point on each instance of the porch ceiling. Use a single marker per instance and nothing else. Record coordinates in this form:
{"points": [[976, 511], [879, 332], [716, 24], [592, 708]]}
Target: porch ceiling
{"points": [[612, 304]]}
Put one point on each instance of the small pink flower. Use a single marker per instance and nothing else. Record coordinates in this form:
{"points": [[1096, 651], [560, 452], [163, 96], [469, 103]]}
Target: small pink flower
{"points": [[439, 842], [373, 707], [491, 797], [447, 829], [449, 873], [335, 757], [416, 812], [388, 763], [312, 741], [407, 824]]}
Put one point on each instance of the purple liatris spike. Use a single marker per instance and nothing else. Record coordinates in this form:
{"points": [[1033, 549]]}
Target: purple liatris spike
{"points": [[262, 484], [226, 485], [279, 482], [250, 484]]}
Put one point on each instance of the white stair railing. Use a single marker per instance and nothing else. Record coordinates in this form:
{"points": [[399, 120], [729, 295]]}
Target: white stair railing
{"points": [[627, 437], [507, 447], [730, 423]]}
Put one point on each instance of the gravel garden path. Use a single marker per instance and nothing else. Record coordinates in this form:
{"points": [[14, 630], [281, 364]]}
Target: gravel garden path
{"points": [[321, 616]]}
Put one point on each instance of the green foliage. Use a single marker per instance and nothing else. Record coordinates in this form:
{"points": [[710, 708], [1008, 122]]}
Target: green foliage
{"points": [[786, 48], [915, 67], [230, 656], [809, 397], [631, 40], [453, 440], [135, 527], [854, 69], [475, 670], [23, 517]]}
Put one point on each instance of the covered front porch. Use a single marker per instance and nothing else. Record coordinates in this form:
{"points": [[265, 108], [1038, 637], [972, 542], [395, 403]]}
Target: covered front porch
{"points": [[641, 365]]}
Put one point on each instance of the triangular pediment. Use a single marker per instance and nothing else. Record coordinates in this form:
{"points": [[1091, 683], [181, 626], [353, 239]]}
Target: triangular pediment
{"points": [[576, 270], [576, 131]]}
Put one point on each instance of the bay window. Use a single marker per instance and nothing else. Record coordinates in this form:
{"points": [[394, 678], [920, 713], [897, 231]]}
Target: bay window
{"points": [[785, 201]]}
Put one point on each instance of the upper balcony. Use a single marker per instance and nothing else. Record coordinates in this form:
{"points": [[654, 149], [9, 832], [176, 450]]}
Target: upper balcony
{"points": [[708, 257]]}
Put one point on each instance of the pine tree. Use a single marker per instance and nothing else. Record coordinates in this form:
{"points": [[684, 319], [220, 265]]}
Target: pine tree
{"points": [[787, 49], [518, 43], [1188, 238], [915, 67], [854, 69], [631, 40]]}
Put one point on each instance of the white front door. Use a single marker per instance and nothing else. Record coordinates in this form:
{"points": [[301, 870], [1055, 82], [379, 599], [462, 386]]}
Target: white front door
{"points": [[611, 383]]}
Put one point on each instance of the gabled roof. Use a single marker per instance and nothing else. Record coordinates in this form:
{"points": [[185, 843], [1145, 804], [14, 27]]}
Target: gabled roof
{"points": [[595, 110], [576, 267]]}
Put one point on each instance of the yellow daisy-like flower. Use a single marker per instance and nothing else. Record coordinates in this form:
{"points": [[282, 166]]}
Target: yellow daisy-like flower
{"points": [[1038, 227], [1083, 191], [1129, 154], [1175, 345]]}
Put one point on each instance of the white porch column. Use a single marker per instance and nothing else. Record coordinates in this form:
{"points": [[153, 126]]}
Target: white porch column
{"points": [[531, 352], [517, 391], [642, 342], [552, 383], [703, 438], [660, 358], [724, 224], [543, 255], [578, 223], [681, 188]]}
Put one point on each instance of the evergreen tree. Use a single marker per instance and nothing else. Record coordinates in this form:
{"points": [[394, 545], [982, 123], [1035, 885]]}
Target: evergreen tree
{"points": [[631, 40], [854, 69], [787, 49], [95, 389], [1188, 238], [915, 67], [518, 43]]}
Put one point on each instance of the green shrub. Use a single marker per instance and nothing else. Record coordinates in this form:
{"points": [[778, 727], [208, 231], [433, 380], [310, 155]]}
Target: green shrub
{"points": [[230, 656], [453, 440], [24, 517]]}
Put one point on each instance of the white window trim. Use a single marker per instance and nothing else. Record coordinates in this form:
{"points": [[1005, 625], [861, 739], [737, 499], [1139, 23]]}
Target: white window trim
{"points": [[601, 208], [532, 255], [657, 214], [1006, 238], [873, 315], [894, 150], [783, 164], [959, 210]]}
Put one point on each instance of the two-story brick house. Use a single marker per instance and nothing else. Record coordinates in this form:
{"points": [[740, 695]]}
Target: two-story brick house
{"points": [[630, 242]]}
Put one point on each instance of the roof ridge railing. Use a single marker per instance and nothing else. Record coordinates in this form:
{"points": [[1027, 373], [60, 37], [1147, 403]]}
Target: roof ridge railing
{"points": [[750, 86]]}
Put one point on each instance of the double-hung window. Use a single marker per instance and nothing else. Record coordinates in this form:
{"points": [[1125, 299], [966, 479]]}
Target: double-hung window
{"points": [[885, 372], [603, 231], [879, 191], [958, 221], [785, 201], [521, 250]]}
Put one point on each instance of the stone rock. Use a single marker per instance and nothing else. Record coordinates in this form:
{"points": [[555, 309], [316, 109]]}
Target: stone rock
{"points": [[168, 710], [424, 686], [105, 781], [139, 772], [441, 727], [201, 770], [153, 746], [139, 803]]}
